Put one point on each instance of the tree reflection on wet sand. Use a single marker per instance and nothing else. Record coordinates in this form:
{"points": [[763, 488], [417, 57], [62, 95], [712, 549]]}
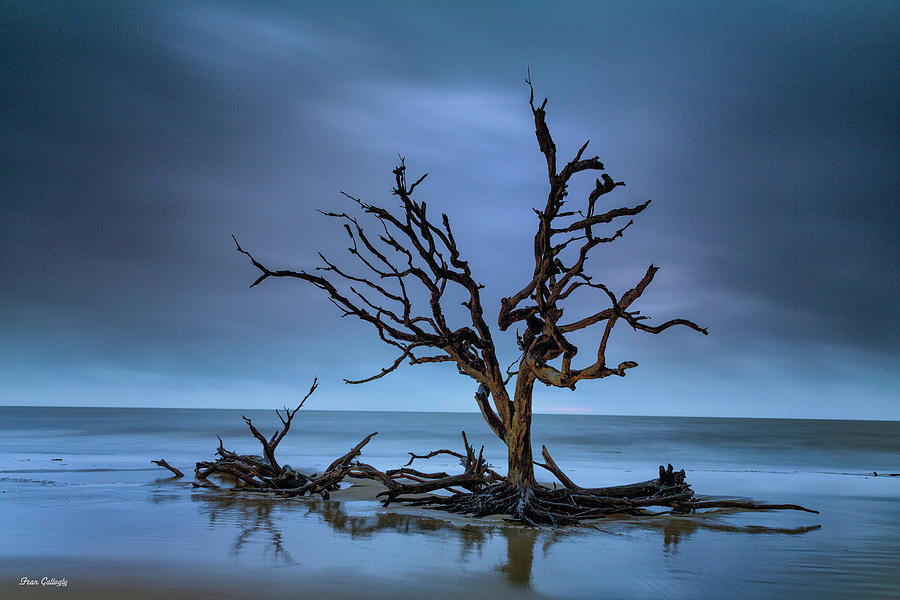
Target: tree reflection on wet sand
{"points": [[270, 522]]}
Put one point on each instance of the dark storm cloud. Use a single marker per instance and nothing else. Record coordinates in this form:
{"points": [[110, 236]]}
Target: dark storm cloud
{"points": [[136, 138]]}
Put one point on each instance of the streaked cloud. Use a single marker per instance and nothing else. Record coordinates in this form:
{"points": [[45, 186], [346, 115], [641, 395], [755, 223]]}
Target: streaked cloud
{"points": [[137, 138]]}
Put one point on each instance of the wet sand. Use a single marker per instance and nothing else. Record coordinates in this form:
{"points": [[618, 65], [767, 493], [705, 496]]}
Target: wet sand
{"points": [[146, 581], [93, 511], [283, 576], [199, 543]]}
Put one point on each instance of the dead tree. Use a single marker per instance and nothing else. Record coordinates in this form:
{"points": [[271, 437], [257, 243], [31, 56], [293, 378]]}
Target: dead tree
{"points": [[413, 254], [264, 474]]}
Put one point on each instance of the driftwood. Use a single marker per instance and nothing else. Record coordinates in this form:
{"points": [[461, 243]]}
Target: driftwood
{"points": [[162, 463], [488, 493], [265, 474]]}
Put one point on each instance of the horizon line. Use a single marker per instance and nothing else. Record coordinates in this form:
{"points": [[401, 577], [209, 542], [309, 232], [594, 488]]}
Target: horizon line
{"points": [[465, 412]]}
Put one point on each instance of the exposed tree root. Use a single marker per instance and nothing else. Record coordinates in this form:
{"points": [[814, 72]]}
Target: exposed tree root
{"points": [[745, 504], [490, 494]]}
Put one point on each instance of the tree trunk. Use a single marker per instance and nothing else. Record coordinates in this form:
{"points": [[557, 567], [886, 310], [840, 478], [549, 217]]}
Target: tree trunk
{"points": [[518, 433]]}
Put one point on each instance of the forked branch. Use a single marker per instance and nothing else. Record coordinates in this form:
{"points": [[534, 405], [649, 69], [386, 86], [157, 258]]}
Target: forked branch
{"points": [[562, 246], [270, 444]]}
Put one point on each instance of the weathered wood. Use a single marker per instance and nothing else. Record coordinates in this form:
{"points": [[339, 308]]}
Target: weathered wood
{"points": [[265, 474], [536, 504], [162, 463], [415, 473], [270, 444], [550, 465], [744, 504]]}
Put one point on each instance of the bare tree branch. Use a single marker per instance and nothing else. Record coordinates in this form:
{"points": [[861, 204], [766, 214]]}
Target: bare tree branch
{"points": [[552, 281]]}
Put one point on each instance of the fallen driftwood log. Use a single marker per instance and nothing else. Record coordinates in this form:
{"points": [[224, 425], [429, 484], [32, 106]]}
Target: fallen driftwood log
{"points": [[265, 474]]}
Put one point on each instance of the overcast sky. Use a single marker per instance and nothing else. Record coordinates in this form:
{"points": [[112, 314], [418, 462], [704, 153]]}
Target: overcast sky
{"points": [[136, 138]]}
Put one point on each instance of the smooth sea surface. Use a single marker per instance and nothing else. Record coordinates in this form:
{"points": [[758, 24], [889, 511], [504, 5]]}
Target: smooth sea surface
{"points": [[80, 501]]}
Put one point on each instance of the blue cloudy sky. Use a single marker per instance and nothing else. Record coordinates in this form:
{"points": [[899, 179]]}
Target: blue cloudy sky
{"points": [[135, 138]]}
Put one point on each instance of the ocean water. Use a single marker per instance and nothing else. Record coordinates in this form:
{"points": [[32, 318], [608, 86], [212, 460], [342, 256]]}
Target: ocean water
{"points": [[80, 501]]}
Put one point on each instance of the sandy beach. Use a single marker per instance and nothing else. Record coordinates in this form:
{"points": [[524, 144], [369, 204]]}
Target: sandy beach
{"points": [[110, 580], [402, 553], [80, 502]]}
